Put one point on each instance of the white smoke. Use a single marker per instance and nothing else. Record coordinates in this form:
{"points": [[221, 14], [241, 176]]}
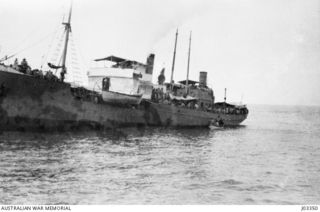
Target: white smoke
{"points": [[177, 15]]}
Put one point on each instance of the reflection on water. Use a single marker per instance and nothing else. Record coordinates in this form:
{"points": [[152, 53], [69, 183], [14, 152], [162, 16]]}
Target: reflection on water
{"points": [[271, 159]]}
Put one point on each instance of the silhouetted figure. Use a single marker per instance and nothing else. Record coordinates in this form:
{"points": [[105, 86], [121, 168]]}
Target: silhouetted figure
{"points": [[62, 73], [24, 66], [16, 64], [161, 77]]}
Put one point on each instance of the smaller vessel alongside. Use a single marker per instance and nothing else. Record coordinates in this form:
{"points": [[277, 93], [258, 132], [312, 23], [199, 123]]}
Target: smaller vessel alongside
{"points": [[198, 98], [216, 124]]}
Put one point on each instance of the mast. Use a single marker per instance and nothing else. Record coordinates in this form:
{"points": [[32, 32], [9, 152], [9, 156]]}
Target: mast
{"points": [[174, 59], [64, 54], [225, 100], [187, 81]]}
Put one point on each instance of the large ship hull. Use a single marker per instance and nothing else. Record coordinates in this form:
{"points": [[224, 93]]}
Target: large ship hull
{"points": [[29, 103]]}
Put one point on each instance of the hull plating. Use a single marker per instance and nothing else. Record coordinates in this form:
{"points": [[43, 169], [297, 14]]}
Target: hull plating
{"points": [[28, 103]]}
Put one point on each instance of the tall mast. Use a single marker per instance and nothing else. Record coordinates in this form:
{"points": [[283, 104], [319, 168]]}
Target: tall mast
{"points": [[174, 59], [225, 99], [187, 80], [64, 54]]}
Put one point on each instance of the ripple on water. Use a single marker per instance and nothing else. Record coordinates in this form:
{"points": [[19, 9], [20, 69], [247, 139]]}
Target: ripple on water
{"points": [[230, 182], [261, 188], [249, 201]]}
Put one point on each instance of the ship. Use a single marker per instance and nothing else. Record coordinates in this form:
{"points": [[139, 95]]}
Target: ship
{"points": [[118, 96]]}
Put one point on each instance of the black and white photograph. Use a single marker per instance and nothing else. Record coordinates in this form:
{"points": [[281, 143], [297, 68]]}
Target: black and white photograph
{"points": [[159, 102]]}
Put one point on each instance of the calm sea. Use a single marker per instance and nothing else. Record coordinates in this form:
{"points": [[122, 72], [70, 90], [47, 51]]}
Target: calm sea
{"points": [[273, 158]]}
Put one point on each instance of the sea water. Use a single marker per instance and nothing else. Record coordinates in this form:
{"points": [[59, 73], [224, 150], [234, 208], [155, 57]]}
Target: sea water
{"points": [[272, 158]]}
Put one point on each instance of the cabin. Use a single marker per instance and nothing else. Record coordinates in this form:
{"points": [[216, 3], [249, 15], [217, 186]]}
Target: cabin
{"points": [[125, 76]]}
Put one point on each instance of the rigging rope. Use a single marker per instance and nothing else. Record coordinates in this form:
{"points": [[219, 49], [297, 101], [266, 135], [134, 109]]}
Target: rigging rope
{"points": [[76, 71], [27, 48], [59, 46], [45, 56], [26, 38]]}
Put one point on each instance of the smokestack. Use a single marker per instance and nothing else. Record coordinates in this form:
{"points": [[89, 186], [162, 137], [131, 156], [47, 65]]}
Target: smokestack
{"points": [[150, 62], [203, 79]]}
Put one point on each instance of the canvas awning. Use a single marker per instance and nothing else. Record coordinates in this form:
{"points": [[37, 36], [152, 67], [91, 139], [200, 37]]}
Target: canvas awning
{"points": [[119, 60], [112, 59], [190, 82]]}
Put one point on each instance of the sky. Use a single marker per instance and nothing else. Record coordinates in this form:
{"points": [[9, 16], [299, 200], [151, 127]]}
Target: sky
{"points": [[262, 51]]}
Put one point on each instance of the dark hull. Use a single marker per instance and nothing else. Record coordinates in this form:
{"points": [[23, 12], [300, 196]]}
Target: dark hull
{"points": [[29, 103]]}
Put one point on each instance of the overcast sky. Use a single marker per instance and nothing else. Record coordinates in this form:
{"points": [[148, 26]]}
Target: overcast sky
{"points": [[267, 51]]}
